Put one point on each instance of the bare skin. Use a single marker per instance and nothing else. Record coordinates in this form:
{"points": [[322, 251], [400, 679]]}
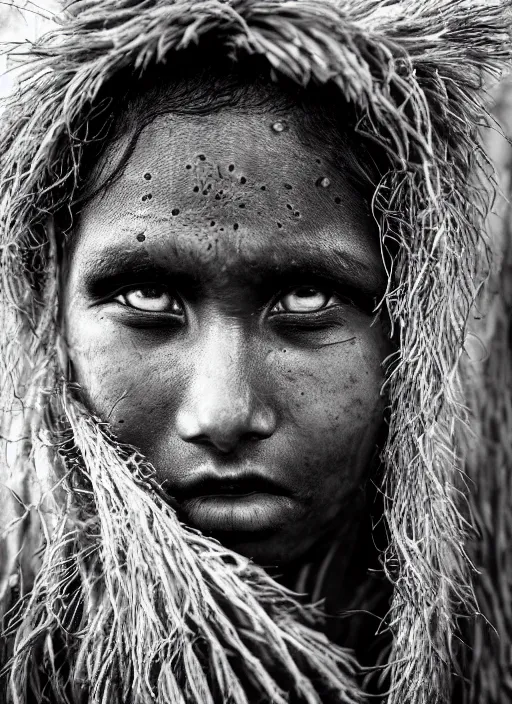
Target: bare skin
{"points": [[218, 309]]}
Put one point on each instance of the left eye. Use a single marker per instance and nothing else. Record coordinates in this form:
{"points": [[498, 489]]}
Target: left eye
{"points": [[151, 299], [304, 299]]}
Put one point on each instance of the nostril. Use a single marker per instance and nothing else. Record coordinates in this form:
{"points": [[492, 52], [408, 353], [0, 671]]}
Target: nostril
{"points": [[256, 436], [224, 446], [225, 443], [198, 439]]}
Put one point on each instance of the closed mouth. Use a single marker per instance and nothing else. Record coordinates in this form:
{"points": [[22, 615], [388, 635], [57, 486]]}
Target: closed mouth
{"points": [[231, 487], [245, 504]]}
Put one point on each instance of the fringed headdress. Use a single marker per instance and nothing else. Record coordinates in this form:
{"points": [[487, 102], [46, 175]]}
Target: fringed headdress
{"points": [[223, 630]]}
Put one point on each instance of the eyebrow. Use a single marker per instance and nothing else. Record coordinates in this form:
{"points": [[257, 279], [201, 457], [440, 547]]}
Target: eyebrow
{"points": [[116, 263], [339, 264]]}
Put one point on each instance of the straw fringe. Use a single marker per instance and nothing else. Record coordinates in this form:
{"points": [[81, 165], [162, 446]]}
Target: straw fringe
{"points": [[414, 72], [119, 571], [488, 382]]}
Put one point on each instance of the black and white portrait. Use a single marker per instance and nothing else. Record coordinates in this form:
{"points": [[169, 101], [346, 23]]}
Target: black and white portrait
{"points": [[256, 399]]}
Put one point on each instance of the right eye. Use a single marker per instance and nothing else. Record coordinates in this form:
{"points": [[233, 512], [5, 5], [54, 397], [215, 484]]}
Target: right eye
{"points": [[304, 299], [150, 299]]}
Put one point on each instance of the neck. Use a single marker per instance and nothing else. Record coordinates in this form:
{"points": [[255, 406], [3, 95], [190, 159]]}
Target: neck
{"points": [[343, 571]]}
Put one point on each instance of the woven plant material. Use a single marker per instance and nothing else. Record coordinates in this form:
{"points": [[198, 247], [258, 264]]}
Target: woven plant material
{"points": [[209, 626]]}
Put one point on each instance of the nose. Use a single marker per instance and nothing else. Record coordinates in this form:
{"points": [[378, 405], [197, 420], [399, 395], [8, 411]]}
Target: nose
{"points": [[224, 404]]}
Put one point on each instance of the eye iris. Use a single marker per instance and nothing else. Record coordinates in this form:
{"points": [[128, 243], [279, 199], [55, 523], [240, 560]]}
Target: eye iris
{"points": [[304, 300]]}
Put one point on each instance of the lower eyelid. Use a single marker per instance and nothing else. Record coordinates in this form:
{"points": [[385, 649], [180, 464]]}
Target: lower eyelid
{"points": [[332, 314], [132, 317]]}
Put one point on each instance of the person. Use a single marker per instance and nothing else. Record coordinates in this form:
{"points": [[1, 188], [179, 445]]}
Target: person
{"points": [[241, 242]]}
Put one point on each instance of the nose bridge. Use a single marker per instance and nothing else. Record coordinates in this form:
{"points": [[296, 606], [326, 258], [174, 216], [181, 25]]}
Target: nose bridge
{"points": [[222, 405], [222, 372]]}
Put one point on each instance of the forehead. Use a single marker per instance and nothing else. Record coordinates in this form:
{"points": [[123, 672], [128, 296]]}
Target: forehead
{"points": [[248, 181]]}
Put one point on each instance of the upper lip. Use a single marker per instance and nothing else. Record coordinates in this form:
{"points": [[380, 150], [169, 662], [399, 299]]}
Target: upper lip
{"points": [[241, 484]]}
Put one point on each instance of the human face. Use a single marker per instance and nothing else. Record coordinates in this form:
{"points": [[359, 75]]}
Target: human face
{"points": [[218, 306]]}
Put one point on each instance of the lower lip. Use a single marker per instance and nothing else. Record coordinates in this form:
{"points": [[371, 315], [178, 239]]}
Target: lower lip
{"points": [[249, 513]]}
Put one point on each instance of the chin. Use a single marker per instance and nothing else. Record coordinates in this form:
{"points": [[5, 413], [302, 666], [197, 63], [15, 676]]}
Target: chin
{"points": [[266, 549]]}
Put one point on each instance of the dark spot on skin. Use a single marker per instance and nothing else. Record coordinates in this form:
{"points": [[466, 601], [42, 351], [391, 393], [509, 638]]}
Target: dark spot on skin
{"points": [[205, 192], [175, 211], [188, 166], [231, 167], [212, 224], [302, 393], [235, 226], [337, 200], [263, 188], [141, 237], [279, 224], [243, 180], [202, 157], [120, 421], [288, 186], [221, 191], [148, 196], [147, 176], [196, 189], [289, 206], [221, 229], [318, 161], [144, 198], [242, 205], [209, 246], [217, 196], [296, 214]]}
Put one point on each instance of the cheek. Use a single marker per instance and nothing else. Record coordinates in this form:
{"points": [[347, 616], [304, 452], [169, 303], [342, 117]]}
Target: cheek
{"points": [[334, 403], [122, 380], [336, 388]]}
